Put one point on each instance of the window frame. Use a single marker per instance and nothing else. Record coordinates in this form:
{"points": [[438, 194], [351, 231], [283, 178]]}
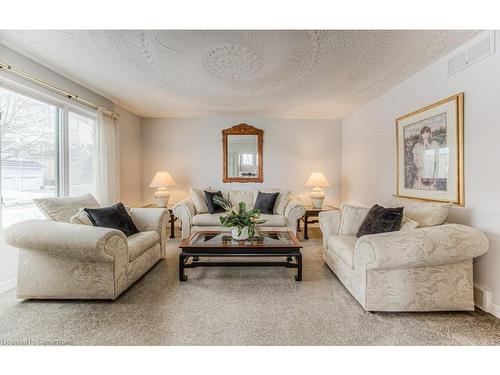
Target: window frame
{"points": [[61, 131]]}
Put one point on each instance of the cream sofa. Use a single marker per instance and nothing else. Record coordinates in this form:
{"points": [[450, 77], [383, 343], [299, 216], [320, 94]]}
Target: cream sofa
{"points": [[61, 260], [423, 269], [194, 217]]}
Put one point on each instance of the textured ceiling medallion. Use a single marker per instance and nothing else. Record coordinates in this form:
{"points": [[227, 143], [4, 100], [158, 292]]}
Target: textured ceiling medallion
{"points": [[262, 73], [233, 61]]}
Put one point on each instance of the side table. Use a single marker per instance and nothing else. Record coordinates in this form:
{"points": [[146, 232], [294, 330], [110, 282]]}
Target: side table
{"points": [[312, 212], [172, 217]]}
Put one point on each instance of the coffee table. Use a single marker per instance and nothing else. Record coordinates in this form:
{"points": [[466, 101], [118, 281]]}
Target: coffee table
{"points": [[217, 244]]}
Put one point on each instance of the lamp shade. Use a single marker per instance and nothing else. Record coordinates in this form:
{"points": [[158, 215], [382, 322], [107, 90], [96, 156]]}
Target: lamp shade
{"points": [[162, 179], [317, 179]]}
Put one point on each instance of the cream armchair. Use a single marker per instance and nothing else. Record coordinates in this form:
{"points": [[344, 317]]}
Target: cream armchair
{"points": [[193, 221], [423, 269], [73, 261]]}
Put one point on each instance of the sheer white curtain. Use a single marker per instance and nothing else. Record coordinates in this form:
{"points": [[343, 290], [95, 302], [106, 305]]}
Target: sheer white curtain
{"points": [[108, 159]]}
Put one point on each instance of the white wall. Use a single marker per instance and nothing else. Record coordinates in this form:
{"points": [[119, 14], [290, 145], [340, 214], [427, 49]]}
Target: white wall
{"points": [[8, 56], [129, 125], [191, 151], [369, 148]]}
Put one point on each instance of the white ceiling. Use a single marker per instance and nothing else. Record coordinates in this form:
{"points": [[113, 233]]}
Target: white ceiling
{"points": [[274, 74]]}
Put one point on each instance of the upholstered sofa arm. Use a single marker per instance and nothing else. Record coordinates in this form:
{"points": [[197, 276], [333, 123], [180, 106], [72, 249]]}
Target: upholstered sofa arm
{"points": [[184, 210], [421, 247], [155, 219], [294, 210], [68, 240], [329, 222], [150, 219]]}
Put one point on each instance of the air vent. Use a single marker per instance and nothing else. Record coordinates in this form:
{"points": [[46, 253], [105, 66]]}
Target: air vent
{"points": [[471, 53], [479, 50]]}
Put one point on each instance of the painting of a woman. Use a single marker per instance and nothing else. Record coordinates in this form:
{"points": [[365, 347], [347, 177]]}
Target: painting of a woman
{"points": [[426, 158], [430, 152]]}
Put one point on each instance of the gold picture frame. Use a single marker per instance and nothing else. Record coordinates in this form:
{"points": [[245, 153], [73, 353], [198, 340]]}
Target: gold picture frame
{"points": [[242, 130], [430, 152]]}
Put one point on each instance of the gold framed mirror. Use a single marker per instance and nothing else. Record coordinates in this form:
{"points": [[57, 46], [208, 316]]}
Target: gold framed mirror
{"points": [[242, 154]]}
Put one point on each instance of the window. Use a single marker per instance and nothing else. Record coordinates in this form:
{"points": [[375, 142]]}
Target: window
{"points": [[40, 143], [247, 159], [81, 154]]}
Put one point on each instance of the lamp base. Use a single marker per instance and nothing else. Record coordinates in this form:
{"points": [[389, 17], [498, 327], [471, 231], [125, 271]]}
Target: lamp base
{"points": [[161, 197], [317, 197]]}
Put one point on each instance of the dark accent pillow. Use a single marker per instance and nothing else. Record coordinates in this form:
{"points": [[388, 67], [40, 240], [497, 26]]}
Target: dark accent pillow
{"points": [[115, 216], [367, 223], [265, 202], [209, 200], [381, 220]]}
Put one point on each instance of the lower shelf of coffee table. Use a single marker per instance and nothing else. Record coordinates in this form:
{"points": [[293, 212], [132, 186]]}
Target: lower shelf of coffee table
{"points": [[191, 260]]}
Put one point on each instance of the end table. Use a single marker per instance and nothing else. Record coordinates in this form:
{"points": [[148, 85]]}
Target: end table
{"points": [[312, 212]]}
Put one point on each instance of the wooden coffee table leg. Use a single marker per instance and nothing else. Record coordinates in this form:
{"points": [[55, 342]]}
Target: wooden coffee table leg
{"points": [[298, 277], [182, 259]]}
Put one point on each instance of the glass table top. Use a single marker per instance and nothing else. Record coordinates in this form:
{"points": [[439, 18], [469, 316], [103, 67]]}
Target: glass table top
{"points": [[261, 239]]}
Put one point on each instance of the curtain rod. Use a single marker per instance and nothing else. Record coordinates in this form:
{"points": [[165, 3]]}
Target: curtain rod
{"points": [[76, 98]]}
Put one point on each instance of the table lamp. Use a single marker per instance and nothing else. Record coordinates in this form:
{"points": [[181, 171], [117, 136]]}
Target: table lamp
{"points": [[317, 180], [162, 180]]}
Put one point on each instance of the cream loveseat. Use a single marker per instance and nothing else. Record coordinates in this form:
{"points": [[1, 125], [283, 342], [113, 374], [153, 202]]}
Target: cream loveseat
{"points": [[427, 268], [194, 215], [61, 260]]}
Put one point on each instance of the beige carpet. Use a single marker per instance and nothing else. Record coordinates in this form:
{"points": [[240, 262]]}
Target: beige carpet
{"points": [[235, 306]]}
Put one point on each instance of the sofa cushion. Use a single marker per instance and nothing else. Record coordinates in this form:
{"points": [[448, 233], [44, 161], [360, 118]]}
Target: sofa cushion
{"points": [[273, 220], [213, 206], [198, 198], [265, 202], [281, 201], [140, 242], [115, 216], [62, 209], [408, 224], [246, 196], [235, 196], [381, 220], [352, 218], [206, 220], [367, 223], [427, 214], [342, 247], [81, 217]]}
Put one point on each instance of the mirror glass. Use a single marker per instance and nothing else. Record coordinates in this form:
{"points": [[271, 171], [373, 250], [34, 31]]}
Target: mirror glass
{"points": [[242, 156]]}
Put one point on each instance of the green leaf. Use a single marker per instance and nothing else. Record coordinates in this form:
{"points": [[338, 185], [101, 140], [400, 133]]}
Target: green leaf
{"points": [[223, 202], [239, 217]]}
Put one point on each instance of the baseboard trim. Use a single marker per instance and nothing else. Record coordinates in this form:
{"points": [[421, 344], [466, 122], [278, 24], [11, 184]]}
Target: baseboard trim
{"points": [[493, 310], [8, 285], [482, 300]]}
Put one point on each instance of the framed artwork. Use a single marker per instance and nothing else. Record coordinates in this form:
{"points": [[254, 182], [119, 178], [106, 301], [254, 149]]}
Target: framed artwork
{"points": [[430, 146]]}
